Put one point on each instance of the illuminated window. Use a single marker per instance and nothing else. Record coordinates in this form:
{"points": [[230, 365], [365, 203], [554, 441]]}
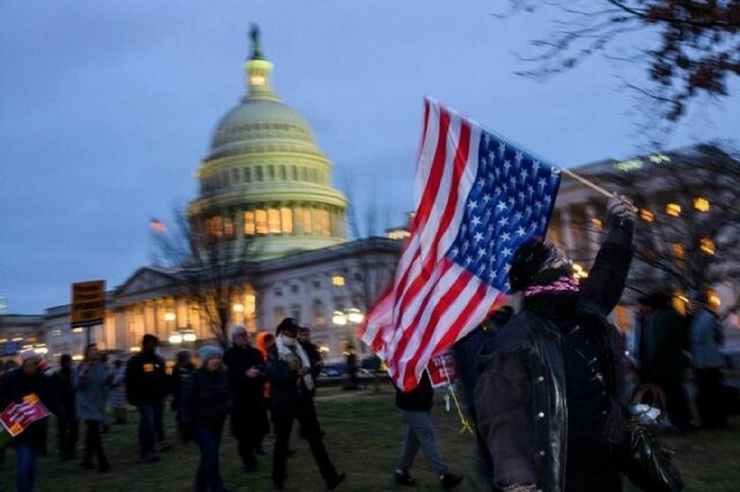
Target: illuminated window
{"points": [[249, 228], [679, 251], [673, 209], [596, 223], [646, 215], [273, 220], [216, 227], [322, 224], [707, 246], [701, 204], [337, 280], [305, 216], [260, 221], [286, 219]]}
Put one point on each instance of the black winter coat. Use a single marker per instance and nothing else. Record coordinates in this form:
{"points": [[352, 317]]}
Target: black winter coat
{"points": [[520, 396], [146, 378], [205, 399], [289, 394], [419, 399], [247, 391]]}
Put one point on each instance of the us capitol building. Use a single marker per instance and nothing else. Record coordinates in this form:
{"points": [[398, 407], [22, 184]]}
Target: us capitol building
{"points": [[265, 188], [266, 193]]}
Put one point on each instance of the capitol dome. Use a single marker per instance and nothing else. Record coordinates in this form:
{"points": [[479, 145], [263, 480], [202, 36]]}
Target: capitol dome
{"points": [[265, 181]]}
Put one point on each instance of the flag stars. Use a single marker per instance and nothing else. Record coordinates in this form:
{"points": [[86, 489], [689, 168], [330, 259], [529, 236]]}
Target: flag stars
{"points": [[472, 204], [478, 237]]}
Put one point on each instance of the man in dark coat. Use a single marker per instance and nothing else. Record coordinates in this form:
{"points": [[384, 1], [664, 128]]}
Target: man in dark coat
{"points": [[549, 401], [289, 371], [146, 387], [20, 383], [245, 367], [663, 340], [67, 425]]}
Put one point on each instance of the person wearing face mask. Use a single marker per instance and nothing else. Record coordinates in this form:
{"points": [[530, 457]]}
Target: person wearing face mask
{"points": [[289, 371], [550, 400], [204, 405]]}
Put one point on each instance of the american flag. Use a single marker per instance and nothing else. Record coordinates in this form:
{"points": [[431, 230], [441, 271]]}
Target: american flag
{"points": [[481, 197]]}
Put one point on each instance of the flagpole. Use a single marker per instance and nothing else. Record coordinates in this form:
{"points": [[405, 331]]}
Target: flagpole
{"points": [[588, 183]]}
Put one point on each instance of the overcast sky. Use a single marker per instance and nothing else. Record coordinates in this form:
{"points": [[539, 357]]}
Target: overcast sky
{"points": [[107, 108]]}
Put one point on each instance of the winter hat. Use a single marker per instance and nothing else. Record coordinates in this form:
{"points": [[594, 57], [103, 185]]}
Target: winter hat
{"points": [[208, 352], [527, 261], [28, 354], [183, 355], [237, 330], [288, 324]]}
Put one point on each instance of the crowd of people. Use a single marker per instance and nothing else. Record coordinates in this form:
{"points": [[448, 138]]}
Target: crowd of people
{"points": [[546, 387]]}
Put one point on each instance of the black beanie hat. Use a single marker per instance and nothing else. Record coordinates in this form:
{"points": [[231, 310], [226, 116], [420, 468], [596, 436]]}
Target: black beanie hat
{"points": [[528, 259], [289, 324]]}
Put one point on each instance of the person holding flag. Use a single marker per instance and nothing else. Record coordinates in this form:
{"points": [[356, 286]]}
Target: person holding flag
{"points": [[479, 198], [549, 400], [27, 397]]}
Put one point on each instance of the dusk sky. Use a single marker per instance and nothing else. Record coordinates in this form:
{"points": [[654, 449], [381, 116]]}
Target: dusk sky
{"points": [[108, 108]]}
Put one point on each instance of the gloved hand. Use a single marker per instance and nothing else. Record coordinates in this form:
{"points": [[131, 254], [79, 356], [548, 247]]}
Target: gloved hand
{"points": [[620, 211]]}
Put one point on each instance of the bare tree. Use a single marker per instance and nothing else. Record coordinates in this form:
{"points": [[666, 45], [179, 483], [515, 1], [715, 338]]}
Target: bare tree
{"points": [[690, 225], [691, 47], [212, 262]]}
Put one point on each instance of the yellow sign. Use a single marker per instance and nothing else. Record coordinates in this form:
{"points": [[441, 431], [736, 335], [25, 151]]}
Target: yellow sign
{"points": [[88, 303]]}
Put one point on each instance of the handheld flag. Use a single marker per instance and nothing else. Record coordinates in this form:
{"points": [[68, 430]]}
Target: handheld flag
{"points": [[480, 198]]}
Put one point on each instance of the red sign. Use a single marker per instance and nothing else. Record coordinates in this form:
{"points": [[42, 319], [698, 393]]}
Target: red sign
{"points": [[442, 369], [17, 416]]}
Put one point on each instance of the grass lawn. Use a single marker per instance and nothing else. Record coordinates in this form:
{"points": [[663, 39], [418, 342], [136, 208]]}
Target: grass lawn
{"points": [[363, 437]]}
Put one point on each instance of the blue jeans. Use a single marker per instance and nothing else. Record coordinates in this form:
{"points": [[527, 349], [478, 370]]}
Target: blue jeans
{"points": [[208, 475], [420, 433], [149, 414], [25, 467]]}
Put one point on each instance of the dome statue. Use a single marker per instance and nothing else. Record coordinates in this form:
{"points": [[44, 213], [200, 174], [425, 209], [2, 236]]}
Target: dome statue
{"points": [[265, 181]]}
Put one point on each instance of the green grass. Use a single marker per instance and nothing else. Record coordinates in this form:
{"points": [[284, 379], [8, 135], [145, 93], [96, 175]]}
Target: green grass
{"points": [[363, 437]]}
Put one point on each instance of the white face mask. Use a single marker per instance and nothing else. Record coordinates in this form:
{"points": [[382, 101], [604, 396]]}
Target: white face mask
{"points": [[288, 341]]}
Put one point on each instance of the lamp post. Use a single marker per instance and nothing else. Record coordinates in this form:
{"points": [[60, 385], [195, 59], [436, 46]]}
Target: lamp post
{"points": [[350, 318], [239, 310]]}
